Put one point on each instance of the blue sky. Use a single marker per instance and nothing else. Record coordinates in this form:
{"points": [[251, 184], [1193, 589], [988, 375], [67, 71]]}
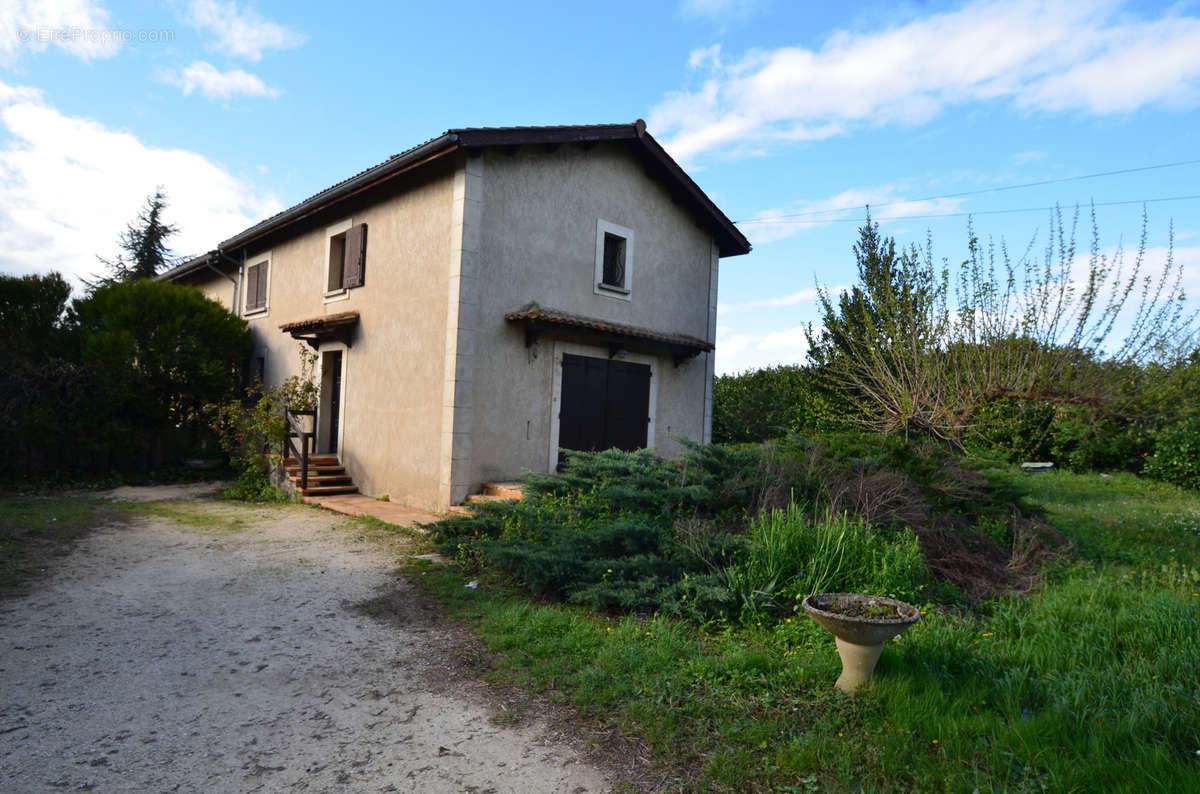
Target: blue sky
{"points": [[792, 116]]}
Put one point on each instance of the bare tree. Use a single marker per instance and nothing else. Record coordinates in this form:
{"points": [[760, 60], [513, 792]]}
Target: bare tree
{"points": [[918, 347]]}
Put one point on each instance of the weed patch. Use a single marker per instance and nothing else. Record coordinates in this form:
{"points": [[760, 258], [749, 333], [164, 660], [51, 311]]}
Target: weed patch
{"points": [[35, 530]]}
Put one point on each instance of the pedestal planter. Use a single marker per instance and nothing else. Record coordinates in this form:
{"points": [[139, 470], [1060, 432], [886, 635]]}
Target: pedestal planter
{"points": [[861, 624]]}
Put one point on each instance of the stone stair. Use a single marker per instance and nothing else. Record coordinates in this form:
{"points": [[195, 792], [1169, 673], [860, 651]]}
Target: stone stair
{"points": [[492, 492], [326, 476]]}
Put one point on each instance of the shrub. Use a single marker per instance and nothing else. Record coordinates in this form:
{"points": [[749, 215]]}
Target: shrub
{"points": [[790, 556], [614, 564], [1176, 457], [769, 403], [252, 430], [620, 530], [253, 485]]}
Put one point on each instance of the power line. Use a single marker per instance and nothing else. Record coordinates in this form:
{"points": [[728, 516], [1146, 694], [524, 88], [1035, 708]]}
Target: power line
{"points": [[983, 191], [783, 219]]}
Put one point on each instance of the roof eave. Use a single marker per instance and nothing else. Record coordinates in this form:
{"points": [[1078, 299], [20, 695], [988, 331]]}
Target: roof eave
{"points": [[187, 268], [402, 162], [730, 241]]}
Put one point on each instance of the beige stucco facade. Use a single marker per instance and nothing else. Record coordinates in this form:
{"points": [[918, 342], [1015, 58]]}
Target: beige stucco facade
{"points": [[439, 392], [539, 227]]}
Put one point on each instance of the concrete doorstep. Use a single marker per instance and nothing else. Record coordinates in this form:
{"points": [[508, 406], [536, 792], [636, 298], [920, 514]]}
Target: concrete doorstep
{"points": [[356, 504]]}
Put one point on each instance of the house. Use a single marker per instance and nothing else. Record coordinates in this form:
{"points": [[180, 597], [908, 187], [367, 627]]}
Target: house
{"points": [[486, 298]]}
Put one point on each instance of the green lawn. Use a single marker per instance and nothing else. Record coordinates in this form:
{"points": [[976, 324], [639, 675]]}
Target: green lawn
{"points": [[1091, 684]]}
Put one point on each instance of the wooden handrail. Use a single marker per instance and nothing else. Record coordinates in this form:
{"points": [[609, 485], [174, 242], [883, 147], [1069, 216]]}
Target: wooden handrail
{"points": [[295, 431]]}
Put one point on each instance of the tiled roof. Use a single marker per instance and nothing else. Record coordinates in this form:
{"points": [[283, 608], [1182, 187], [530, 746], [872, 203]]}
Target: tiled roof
{"points": [[536, 315], [658, 163], [319, 323]]}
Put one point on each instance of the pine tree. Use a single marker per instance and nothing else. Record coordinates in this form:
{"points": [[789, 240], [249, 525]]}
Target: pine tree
{"points": [[143, 245]]}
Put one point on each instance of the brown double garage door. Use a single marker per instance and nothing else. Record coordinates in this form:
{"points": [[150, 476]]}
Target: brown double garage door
{"points": [[604, 404]]}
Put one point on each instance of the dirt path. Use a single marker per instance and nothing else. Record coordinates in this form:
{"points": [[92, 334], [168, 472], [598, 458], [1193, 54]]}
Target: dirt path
{"points": [[218, 648]]}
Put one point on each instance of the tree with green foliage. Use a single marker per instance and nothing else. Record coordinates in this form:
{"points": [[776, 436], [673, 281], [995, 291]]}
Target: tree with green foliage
{"points": [[144, 251], [157, 353], [915, 347], [32, 308], [38, 379], [768, 403]]}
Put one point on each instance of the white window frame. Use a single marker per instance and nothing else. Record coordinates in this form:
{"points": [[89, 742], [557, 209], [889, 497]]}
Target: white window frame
{"points": [[577, 349], [625, 291], [341, 293], [265, 309]]}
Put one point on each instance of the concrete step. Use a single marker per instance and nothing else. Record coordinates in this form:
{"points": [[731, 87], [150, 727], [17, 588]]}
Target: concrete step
{"points": [[479, 498], [328, 490], [313, 460], [326, 476], [323, 479], [504, 490], [315, 470]]}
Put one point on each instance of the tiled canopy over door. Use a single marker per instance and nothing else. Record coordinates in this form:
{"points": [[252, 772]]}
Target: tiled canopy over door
{"points": [[605, 404]]}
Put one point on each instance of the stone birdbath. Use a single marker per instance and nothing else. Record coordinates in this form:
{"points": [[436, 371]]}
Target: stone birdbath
{"points": [[861, 624]]}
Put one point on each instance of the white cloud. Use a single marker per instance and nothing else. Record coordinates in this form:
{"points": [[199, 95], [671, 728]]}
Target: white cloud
{"points": [[705, 56], [68, 187], [77, 26], [241, 32], [886, 202], [783, 301], [1087, 55], [738, 352], [212, 83]]}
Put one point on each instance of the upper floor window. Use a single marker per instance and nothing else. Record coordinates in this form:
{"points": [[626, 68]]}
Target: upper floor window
{"points": [[614, 260], [258, 277], [347, 257]]}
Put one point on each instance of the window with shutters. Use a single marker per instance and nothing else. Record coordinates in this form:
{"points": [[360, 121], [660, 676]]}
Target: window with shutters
{"points": [[614, 260], [256, 285], [347, 258]]}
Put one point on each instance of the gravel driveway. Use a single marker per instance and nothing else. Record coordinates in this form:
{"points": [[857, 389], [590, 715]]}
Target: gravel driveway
{"points": [[210, 647]]}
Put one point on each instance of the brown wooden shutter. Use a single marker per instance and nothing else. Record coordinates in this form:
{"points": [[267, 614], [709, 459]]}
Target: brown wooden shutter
{"points": [[261, 299], [354, 264], [252, 287]]}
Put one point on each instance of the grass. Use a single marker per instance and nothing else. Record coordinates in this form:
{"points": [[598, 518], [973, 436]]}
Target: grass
{"points": [[1088, 685], [34, 530], [202, 515]]}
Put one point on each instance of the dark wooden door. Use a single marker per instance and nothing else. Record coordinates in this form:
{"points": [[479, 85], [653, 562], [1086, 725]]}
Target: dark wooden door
{"points": [[626, 405], [604, 404], [335, 400]]}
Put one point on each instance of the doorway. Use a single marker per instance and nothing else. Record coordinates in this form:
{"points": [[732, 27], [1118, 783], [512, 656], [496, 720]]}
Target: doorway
{"points": [[604, 404], [329, 412]]}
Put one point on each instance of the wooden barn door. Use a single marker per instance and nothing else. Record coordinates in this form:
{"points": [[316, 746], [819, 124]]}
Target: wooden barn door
{"points": [[604, 404]]}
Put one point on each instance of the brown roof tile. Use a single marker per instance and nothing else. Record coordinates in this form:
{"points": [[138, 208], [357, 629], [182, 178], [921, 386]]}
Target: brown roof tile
{"points": [[536, 315], [730, 240]]}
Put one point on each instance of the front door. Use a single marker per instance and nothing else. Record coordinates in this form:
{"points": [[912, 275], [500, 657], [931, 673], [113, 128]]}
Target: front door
{"points": [[604, 404], [330, 414]]}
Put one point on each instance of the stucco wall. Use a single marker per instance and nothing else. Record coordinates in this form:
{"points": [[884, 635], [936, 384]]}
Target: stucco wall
{"points": [[538, 227], [213, 286], [394, 368]]}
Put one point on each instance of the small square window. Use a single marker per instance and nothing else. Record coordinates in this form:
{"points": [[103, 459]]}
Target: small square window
{"points": [[346, 266], [614, 260], [256, 283], [337, 261]]}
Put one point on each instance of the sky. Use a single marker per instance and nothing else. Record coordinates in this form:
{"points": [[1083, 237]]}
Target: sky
{"points": [[792, 116]]}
